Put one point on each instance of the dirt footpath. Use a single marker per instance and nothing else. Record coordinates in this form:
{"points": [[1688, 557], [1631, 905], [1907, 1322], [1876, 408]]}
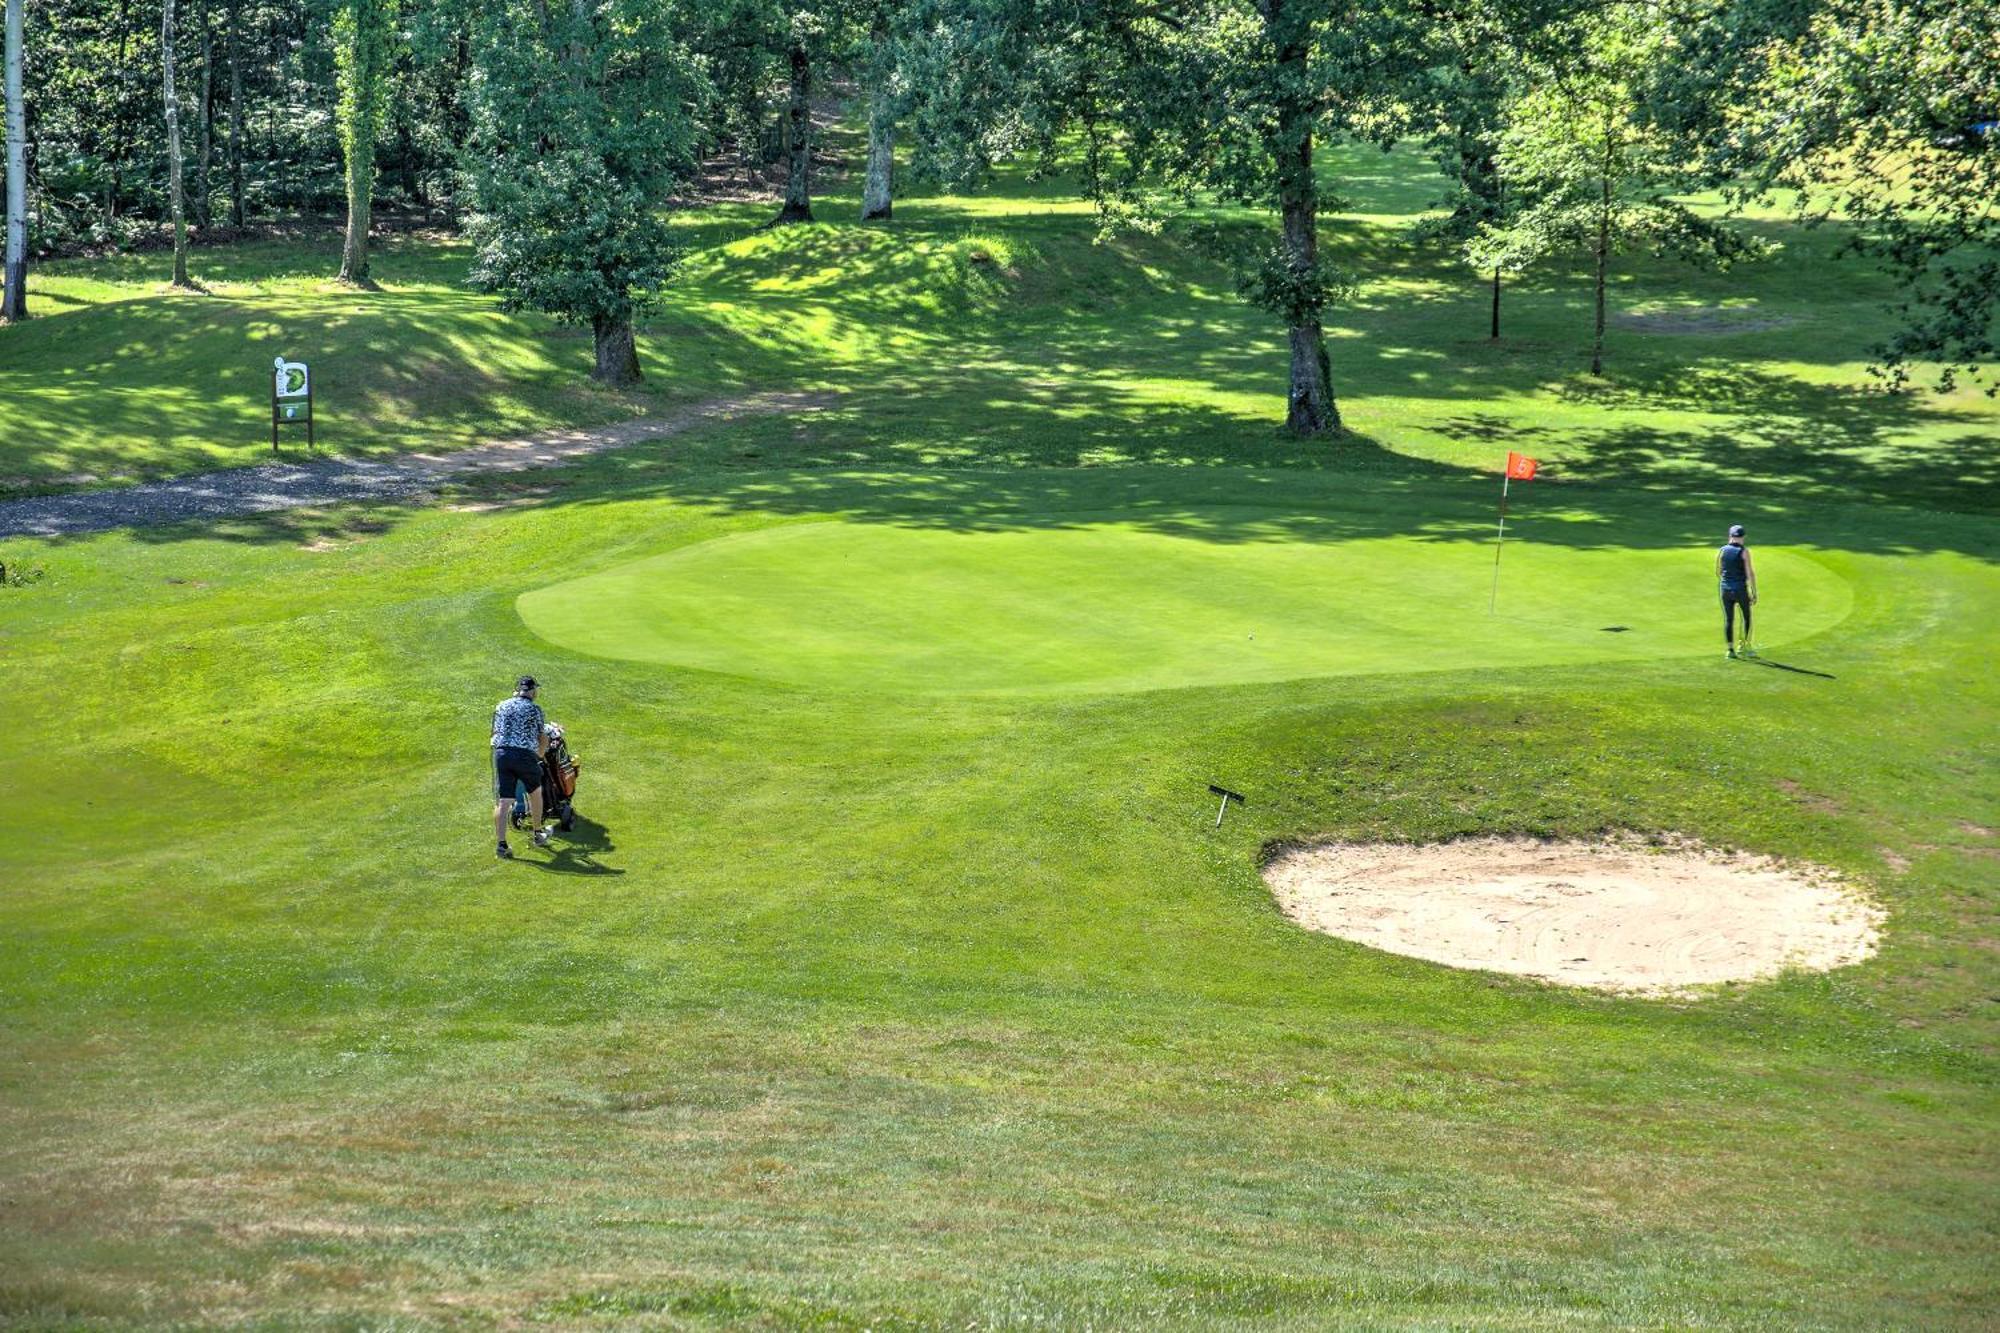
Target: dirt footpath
{"points": [[232, 492]]}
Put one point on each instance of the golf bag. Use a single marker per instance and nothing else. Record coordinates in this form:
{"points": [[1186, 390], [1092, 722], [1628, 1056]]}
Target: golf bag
{"points": [[559, 770]]}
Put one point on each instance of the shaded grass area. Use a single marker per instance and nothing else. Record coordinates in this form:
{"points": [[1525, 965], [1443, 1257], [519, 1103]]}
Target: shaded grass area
{"points": [[920, 1009], [1001, 329]]}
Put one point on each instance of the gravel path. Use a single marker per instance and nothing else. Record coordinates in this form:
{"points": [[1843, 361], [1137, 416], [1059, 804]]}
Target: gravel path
{"points": [[230, 492]]}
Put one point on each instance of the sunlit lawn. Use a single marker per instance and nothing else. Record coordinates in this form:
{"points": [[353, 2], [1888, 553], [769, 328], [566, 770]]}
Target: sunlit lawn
{"points": [[896, 976]]}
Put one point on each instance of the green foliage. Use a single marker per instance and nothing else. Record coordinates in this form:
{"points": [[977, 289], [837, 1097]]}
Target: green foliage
{"points": [[1587, 173], [364, 44], [363, 47], [973, 87], [1887, 112], [1296, 291], [580, 134], [1470, 71], [15, 573]]}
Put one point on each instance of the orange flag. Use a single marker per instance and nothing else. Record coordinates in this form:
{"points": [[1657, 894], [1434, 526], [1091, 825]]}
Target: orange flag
{"points": [[1520, 467]]}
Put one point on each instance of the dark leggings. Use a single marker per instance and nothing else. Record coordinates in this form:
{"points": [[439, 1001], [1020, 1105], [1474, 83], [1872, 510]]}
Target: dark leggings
{"points": [[1730, 600]]}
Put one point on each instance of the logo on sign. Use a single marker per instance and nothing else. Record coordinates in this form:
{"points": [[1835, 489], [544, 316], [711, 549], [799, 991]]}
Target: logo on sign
{"points": [[293, 379]]}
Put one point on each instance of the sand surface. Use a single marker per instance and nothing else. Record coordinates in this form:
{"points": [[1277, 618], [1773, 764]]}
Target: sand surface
{"points": [[1621, 916]]}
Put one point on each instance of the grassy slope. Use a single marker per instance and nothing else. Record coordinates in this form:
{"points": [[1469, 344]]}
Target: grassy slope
{"points": [[860, 1010]]}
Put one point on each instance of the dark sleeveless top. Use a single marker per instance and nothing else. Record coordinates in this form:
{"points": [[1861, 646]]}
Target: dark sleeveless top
{"points": [[1735, 572]]}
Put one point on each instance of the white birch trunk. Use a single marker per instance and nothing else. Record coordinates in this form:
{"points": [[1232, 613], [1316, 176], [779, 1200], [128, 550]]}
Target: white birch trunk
{"points": [[235, 117], [204, 156], [176, 186], [14, 302], [877, 190]]}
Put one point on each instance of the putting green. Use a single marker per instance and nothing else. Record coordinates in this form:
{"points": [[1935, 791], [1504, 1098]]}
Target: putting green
{"points": [[1112, 603]]}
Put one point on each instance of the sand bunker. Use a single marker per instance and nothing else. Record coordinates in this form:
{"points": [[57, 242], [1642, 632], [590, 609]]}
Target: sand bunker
{"points": [[1619, 915]]}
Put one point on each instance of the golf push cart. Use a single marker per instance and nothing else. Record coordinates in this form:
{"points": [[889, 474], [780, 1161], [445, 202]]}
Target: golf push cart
{"points": [[559, 769]]}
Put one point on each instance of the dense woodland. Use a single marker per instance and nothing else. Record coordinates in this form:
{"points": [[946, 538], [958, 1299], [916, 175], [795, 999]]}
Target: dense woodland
{"points": [[555, 135]]}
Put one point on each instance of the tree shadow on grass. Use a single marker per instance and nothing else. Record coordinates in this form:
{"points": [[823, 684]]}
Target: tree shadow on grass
{"points": [[992, 453], [1011, 396], [1782, 439]]}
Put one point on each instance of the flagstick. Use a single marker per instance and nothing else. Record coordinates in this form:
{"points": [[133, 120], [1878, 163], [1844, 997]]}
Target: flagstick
{"points": [[1498, 537]]}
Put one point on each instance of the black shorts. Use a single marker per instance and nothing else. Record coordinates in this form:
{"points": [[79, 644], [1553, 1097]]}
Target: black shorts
{"points": [[512, 764]]}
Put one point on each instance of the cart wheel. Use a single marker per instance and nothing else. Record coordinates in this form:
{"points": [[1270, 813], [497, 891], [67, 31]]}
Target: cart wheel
{"points": [[517, 821], [568, 820]]}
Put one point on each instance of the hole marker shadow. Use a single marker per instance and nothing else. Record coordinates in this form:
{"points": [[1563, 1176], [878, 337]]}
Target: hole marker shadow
{"points": [[1795, 670]]}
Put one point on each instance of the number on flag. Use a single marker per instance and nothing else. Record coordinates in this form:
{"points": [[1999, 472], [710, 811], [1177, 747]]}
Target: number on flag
{"points": [[1520, 467]]}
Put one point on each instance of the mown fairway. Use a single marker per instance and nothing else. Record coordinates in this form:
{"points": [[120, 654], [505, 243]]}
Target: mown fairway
{"points": [[1214, 594], [895, 977]]}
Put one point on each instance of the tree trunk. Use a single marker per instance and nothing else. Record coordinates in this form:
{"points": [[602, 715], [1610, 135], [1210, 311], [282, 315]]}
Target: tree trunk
{"points": [[1093, 139], [1603, 257], [235, 116], [1597, 337], [14, 301], [205, 153], [176, 191], [617, 354], [1310, 409], [120, 138], [798, 186], [359, 47], [877, 192], [360, 204], [1496, 303]]}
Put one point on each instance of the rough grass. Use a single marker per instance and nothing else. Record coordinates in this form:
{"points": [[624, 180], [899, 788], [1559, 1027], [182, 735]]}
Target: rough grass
{"points": [[887, 1008]]}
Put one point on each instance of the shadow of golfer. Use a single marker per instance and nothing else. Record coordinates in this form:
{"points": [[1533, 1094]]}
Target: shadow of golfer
{"points": [[1795, 670], [576, 852]]}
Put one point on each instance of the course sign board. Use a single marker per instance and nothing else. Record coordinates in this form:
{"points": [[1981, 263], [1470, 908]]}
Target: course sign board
{"points": [[291, 398], [293, 379]]}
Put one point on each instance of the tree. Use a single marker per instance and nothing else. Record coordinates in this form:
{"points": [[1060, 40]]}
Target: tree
{"points": [[975, 79], [176, 193], [14, 300], [746, 46], [235, 115], [798, 123], [435, 54], [580, 134], [1469, 89], [199, 202], [1589, 175], [363, 46], [1202, 99], [1232, 97], [1887, 113], [878, 64]]}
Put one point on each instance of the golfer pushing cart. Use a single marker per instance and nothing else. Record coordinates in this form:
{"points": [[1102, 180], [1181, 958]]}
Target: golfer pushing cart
{"points": [[533, 771]]}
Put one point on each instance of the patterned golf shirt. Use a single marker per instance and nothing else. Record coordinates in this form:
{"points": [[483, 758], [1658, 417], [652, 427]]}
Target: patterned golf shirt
{"points": [[517, 722]]}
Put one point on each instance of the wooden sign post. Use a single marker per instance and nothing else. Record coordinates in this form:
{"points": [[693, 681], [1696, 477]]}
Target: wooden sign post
{"points": [[291, 399]]}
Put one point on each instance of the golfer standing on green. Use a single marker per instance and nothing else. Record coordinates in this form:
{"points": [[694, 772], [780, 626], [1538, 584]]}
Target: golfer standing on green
{"points": [[518, 743], [1739, 588]]}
